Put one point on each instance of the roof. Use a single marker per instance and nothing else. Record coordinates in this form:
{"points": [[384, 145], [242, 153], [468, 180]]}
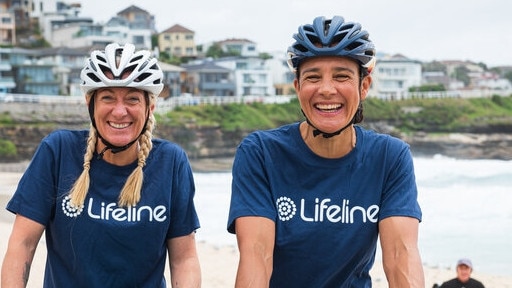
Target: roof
{"points": [[177, 28], [206, 66], [235, 40], [132, 8], [166, 67]]}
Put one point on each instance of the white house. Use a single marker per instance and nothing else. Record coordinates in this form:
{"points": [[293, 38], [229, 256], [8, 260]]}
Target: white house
{"points": [[393, 76], [252, 76]]}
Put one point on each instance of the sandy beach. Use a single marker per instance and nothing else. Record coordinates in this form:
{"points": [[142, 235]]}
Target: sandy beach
{"points": [[218, 262]]}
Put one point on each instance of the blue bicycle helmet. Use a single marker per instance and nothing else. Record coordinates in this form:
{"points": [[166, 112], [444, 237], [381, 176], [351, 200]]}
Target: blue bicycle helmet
{"points": [[332, 37]]}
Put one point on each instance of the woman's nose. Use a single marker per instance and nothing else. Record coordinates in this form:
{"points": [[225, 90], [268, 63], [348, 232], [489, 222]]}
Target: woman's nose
{"points": [[119, 109], [327, 87]]}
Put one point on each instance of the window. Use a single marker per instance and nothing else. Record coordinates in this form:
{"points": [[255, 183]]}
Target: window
{"points": [[138, 39], [241, 65], [248, 79]]}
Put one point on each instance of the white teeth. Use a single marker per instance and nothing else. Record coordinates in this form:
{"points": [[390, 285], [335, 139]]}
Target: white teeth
{"points": [[328, 106], [119, 126]]}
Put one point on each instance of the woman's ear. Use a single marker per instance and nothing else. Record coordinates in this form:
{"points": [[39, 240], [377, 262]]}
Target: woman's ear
{"points": [[365, 86], [296, 85]]}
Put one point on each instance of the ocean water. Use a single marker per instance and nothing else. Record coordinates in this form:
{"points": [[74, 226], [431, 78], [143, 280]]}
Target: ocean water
{"points": [[466, 204]]}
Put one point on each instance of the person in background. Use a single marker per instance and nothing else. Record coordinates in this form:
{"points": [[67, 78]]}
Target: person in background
{"points": [[310, 199], [463, 280], [112, 201]]}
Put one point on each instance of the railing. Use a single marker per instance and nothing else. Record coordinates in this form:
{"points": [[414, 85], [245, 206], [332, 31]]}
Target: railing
{"points": [[173, 102], [164, 105], [402, 95]]}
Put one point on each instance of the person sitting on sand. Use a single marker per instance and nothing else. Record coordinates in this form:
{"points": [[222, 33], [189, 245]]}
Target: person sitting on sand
{"points": [[463, 280]]}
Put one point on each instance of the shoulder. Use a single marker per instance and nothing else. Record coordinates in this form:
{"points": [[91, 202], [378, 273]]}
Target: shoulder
{"points": [[272, 135], [164, 149], [449, 284], [378, 144], [476, 283], [68, 135], [375, 138], [65, 139]]}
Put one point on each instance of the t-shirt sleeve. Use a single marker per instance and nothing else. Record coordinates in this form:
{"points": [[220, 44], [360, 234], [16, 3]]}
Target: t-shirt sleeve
{"points": [[250, 188], [35, 195], [400, 193], [184, 219]]}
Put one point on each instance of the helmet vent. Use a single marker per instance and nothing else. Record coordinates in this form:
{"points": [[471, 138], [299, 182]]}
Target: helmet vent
{"points": [[143, 65], [106, 70], [101, 58], [352, 46], [327, 26], [93, 77], [91, 64], [136, 58], [142, 77]]}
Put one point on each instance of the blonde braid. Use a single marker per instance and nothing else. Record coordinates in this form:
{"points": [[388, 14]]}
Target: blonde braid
{"points": [[131, 193], [81, 186]]}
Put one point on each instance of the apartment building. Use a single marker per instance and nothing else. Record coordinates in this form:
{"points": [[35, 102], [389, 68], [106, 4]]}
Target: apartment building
{"points": [[7, 27], [7, 83], [251, 75], [207, 78], [394, 75], [177, 41]]}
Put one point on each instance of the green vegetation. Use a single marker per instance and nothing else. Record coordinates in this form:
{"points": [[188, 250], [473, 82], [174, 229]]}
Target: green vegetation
{"points": [[6, 118], [451, 114], [7, 149], [232, 117], [406, 116], [428, 115]]}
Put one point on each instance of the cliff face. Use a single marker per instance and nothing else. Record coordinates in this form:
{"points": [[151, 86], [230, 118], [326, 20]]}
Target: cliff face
{"points": [[212, 142], [463, 145]]}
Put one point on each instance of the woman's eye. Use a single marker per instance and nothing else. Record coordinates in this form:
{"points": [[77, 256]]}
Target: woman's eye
{"points": [[341, 77], [107, 98], [133, 100], [313, 78]]}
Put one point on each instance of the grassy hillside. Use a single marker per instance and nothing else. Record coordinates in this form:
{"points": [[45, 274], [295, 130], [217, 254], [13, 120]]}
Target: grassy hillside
{"points": [[429, 115], [483, 115]]}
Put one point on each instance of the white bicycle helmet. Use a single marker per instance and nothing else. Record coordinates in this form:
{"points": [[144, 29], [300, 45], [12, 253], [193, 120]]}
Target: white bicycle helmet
{"points": [[121, 66]]}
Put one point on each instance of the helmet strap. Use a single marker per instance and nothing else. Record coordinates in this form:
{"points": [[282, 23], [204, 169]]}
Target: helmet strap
{"points": [[356, 119], [113, 148], [317, 131]]}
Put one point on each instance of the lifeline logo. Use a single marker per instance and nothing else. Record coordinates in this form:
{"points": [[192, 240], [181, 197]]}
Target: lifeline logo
{"points": [[324, 210], [111, 211]]}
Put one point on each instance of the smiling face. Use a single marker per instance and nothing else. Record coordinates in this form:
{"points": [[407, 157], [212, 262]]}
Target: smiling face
{"points": [[120, 114], [329, 91]]}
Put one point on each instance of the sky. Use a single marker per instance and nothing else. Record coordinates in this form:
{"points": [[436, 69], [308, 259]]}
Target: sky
{"points": [[474, 30]]}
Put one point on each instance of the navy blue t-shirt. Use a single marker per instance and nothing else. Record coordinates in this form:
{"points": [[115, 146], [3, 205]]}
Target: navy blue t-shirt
{"points": [[104, 245], [326, 211]]}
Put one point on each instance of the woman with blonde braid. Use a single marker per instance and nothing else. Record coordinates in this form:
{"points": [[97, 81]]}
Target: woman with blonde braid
{"points": [[112, 201]]}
